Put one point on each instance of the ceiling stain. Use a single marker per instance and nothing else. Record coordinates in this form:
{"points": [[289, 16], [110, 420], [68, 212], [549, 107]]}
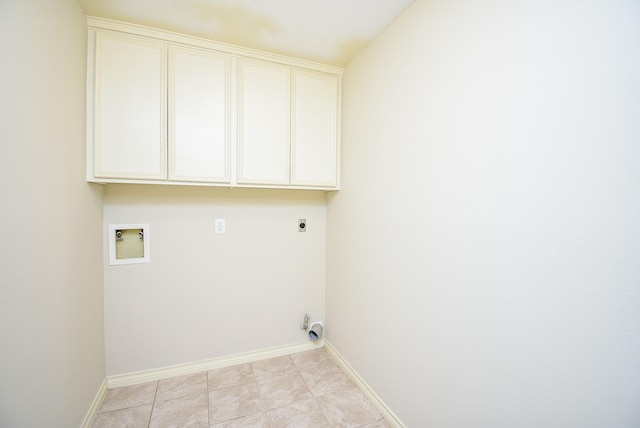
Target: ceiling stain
{"points": [[349, 49], [234, 25], [331, 32]]}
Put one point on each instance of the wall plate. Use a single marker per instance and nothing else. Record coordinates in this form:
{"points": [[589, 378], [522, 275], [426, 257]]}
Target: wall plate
{"points": [[220, 227]]}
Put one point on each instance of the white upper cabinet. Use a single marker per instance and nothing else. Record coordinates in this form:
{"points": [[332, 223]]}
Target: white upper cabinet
{"points": [[165, 108], [130, 108], [199, 115], [314, 124], [263, 122]]}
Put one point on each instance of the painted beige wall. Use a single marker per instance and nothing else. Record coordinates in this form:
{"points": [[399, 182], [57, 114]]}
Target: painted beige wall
{"points": [[203, 295], [51, 294], [483, 257]]}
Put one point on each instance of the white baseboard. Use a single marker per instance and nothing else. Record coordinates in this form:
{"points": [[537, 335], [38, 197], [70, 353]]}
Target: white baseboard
{"points": [[97, 401], [384, 410], [188, 368], [247, 357], [215, 363]]}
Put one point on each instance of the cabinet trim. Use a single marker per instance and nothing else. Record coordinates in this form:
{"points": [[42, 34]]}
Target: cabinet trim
{"points": [[234, 58], [109, 24]]}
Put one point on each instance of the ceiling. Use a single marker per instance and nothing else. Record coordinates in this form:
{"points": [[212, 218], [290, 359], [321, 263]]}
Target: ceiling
{"points": [[326, 31]]}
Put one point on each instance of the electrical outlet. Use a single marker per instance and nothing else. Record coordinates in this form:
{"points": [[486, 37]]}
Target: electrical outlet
{"points": [[220, 226], [302, 225]]}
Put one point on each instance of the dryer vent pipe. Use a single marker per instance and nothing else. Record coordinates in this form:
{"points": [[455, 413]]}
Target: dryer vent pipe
{"points": [[315, 331]]}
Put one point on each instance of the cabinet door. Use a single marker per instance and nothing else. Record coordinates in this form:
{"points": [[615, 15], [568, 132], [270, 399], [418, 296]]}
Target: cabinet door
{"points": [[130, 126], [199, 115], [263, 122], [314, 125]]}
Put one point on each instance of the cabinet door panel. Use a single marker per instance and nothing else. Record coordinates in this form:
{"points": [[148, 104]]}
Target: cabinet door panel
{"points": [[314, 129], [264, 123], [199, 115], [130, 132]]}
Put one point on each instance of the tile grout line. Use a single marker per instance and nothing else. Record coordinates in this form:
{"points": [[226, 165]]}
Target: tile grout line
{"points": [[313, 396], [206, 373], [255, 379], [296, 372], [153, 405], [264, 407]]}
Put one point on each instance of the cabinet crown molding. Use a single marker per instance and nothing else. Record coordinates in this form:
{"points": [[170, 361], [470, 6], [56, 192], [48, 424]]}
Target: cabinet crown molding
{"points": [[169, 36]]}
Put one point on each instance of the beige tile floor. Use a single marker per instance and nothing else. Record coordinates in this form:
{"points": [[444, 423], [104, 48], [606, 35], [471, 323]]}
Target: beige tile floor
{"points": [[306, 389]]}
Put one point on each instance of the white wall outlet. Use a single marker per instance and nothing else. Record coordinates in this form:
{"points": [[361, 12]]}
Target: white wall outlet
{"points": [[220, 226], [302, 225]]}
